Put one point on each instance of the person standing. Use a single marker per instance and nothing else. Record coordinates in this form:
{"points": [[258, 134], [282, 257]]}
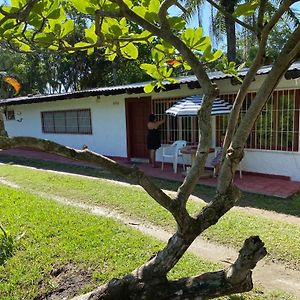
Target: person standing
{"points": [[153, 137]]}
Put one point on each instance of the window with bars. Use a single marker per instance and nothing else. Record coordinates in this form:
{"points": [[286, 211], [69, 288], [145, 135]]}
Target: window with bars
{"points": [[276, 128], [175, 128], [67, 121]]}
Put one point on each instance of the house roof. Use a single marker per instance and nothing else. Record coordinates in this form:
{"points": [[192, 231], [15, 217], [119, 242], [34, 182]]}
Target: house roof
{"points": [[136, 88]]}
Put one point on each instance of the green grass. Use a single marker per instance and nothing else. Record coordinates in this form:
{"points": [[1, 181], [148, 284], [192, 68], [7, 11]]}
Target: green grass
{"points": [[287, 206], [56, 235], [281, 239]]}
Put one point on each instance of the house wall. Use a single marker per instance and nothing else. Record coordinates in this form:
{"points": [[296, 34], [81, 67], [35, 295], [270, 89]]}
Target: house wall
{"points": [[108, 124]]}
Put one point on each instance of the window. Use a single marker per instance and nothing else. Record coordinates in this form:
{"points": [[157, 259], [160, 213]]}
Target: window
{"points": [[277, 126], [10, 115], [67, 121], [175, 128]]}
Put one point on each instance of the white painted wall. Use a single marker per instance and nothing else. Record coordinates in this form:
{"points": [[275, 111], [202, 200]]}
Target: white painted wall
{"points": [[108, 124], [272, 162]]}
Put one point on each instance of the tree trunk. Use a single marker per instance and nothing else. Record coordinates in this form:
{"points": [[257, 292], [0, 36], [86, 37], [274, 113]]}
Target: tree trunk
{"points": [[235, 279], [230, 29]]}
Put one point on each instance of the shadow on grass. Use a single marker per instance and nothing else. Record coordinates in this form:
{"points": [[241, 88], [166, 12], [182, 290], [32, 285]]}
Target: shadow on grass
{"points": [[290, 206]]}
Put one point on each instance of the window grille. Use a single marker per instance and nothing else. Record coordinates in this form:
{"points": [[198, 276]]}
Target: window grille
{"points": [[67, 121], [175, 128], [277, 126]]}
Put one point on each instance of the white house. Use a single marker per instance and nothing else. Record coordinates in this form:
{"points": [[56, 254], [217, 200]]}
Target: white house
{"points": [[112, 120]]}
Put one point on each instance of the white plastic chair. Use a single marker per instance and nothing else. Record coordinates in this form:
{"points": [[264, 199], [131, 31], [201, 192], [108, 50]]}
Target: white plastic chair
{"points": [[239, 166], [173, 152]]}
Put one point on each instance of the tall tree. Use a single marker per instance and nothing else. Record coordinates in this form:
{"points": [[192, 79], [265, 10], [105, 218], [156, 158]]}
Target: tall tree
{"points": [[172, 45], [222, 23]]}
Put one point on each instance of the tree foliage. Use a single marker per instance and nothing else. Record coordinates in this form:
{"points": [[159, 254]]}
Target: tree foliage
{"points": [[119, 28]]}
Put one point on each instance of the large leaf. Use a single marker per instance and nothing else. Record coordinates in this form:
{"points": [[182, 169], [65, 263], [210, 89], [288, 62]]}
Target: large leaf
{"points": [[177, 23], [18, 3], [55, 14], [129, 51], [67, 28], [148, 88], [82, 6], [90, 34], [246, 9], [158, 53]]}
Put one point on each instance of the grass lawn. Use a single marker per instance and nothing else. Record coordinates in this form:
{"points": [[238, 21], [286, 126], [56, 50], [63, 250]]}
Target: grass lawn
{"points": [[97, 248], [286, 206], [282, 240]]}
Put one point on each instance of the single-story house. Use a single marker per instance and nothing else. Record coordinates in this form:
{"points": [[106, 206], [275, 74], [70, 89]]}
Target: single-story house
{"points": [[112, 120]]}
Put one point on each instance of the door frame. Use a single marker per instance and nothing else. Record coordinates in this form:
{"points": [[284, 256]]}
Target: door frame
{"points": [[127, 112]]}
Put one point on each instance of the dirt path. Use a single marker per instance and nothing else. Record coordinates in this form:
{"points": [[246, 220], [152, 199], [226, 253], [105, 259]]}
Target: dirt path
{"points": [[270, 275], [260, 212]]}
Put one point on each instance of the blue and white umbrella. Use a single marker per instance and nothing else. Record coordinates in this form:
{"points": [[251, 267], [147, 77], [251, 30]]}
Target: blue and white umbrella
{"points": [[189, 106]]}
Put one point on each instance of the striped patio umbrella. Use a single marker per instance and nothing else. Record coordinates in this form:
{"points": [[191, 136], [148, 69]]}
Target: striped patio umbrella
{"points": [[189, 106]]}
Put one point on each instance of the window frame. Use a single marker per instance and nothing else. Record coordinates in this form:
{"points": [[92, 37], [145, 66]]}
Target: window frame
{"points": [[256, 140], [56, 131]]}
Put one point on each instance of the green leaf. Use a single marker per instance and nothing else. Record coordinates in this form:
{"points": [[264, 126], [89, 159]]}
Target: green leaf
{"points": [[187, 66], [67, 28], [90, 34], [90, 51], [140, 11], [22, 46], [44, 38], [38, 8], [214, 56], [246, 9], [154, 6], [148, 88], [116, 30], [177, 23], [128, 3], [8, 25], [148, 68], [35, 20], [80, 6], [158, 53], [55, 14], [18, 3], [110, 53], [53, 47], [202, 44], [82, 45], [129, 51]]}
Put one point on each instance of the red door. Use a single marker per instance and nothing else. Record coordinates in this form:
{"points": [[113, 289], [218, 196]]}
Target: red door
{"points": [[137, 114]]}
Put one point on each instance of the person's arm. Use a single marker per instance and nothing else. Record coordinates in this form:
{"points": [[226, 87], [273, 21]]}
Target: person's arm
{"points": [[161, 121]]}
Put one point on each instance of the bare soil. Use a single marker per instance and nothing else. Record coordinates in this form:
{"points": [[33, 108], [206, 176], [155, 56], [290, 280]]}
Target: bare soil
{"points": [[68, 281]]}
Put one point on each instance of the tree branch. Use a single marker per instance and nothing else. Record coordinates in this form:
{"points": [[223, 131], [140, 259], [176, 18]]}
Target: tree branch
{"points": [[133, 173], [236, 279], [21, 15], [162, 13]]}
